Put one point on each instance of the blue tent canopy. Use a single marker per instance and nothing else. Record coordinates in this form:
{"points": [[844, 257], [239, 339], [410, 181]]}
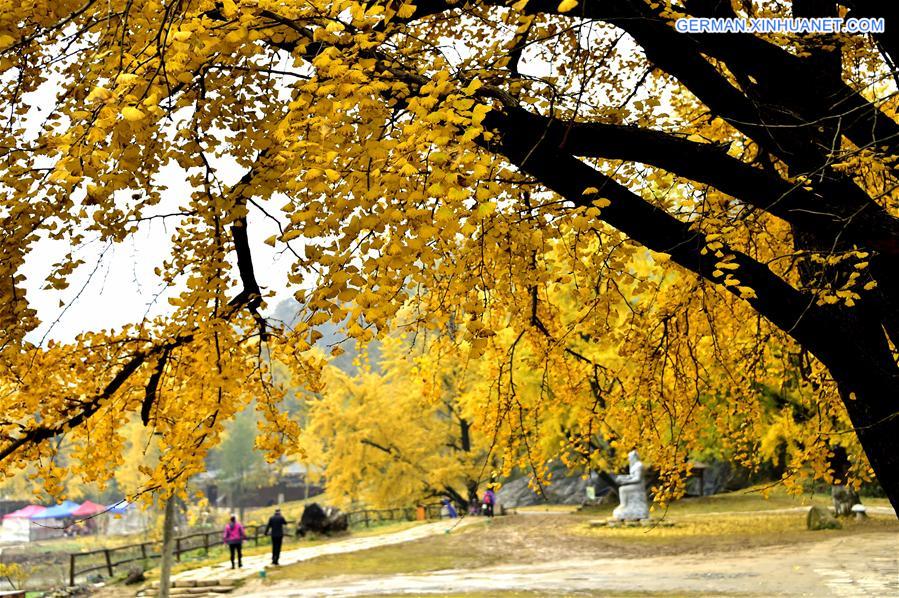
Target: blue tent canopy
{"points": [[58, 511], [119, 508]]}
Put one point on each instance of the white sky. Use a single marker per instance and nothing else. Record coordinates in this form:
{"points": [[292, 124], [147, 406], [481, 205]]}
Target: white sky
{"points": [[116, 284]]}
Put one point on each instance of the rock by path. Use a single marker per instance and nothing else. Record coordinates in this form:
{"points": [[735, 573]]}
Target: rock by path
{"points": [[862, 565], [252, 565]]}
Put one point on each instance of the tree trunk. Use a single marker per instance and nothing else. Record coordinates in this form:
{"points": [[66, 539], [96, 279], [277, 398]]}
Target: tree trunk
{"points": [[863, 366], [240, 499], [455, 497], [465, 434], [875, 417], [168, 546]]}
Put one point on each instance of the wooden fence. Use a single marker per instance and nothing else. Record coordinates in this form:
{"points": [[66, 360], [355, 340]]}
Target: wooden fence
{"points": [[107, 559]]}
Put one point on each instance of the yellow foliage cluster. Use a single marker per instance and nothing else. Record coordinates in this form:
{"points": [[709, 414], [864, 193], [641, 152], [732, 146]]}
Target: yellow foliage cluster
{"points": [[404, 433], [362, 130]]}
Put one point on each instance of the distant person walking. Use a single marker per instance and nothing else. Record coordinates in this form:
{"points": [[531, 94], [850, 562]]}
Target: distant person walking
{"points": [[275, 526], [450, 509], [474, 504], [489, 502], [234, 536]]}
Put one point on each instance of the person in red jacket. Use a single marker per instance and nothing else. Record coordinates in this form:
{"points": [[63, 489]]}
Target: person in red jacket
{"points": [[234, 536]]}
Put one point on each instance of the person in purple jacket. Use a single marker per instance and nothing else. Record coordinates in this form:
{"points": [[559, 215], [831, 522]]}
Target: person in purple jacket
{"points": [[489, 501], [234, 536]]}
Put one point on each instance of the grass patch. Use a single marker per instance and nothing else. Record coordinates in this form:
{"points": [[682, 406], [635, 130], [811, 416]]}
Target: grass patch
{"points": [[77, 544], [292, 510], [449, 551], [728, 532], [220, 553], [535, 594], [756, 498], [751, 499]]}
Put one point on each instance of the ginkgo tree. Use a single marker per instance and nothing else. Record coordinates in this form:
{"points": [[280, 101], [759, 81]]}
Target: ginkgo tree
{"points": [[404, 432], [457, 159], [666, 367]]}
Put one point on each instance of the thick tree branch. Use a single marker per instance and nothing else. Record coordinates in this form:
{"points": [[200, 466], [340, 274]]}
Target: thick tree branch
{"points": [[133, 364], [153, 385], [866, 225], [791, 310]]}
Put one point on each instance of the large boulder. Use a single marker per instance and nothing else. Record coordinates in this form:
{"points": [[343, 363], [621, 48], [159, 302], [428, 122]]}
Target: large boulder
{"points": [[322, 520], [820, 518], [135, 575]]}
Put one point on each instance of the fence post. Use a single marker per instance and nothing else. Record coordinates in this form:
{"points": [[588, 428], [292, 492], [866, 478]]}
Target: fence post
{"points": [[72, 569], [178, 549], [143, 551], [108, 561], [366, 517], [206, 542]]}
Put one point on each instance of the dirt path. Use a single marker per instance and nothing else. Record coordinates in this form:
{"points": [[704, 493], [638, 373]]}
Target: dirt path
{"points": [[862, 565], [252, 565]]}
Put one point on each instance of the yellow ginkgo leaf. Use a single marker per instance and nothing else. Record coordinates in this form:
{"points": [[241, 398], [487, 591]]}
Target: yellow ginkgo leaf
{"points": [[475, 85], [406, 10], [128, 78], [566, 5], [132, 114], [229, 9], [99, 94], [746, 292]]}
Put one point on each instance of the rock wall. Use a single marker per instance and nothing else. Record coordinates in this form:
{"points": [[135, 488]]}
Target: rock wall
{"points": [[566, 488]]}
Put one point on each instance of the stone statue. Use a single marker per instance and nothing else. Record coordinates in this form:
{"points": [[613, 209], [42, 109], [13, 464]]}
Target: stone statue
{"points": [[844, 498], [632, 492]]}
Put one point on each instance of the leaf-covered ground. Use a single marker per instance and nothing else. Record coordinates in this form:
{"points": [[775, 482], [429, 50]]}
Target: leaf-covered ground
{"points": [[738, 543], [715, 543]]}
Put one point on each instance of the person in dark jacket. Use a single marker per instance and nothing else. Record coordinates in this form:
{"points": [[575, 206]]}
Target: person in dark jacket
{"points": [[275, 527]]}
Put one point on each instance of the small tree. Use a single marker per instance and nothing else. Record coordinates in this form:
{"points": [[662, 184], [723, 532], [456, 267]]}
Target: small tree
{"points": [[401, 435]]}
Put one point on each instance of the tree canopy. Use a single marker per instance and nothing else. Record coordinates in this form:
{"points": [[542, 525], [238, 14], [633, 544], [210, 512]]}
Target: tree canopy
{"points": [[404, 433], [660, 223]]}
